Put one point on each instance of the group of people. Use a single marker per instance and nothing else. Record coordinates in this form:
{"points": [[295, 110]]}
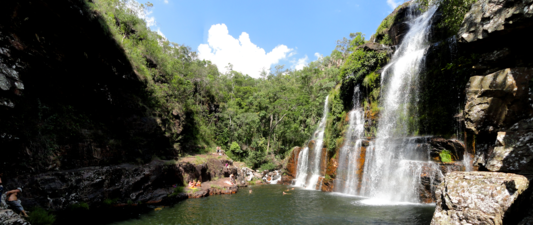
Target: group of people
{"points": [[193, 184], [12, 198]]}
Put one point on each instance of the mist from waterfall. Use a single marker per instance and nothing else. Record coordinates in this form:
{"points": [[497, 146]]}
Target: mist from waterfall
{"points": [[348, 179], [308, 168], [393, 166]]}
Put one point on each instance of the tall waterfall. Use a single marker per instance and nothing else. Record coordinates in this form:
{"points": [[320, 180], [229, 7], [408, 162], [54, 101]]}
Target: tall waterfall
{"points": [[348, 176], [308, 168], [393, 164]]}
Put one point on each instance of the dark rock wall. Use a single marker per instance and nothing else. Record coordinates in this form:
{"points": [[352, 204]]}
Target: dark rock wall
{"points": [[69, 97], [119, 185]]}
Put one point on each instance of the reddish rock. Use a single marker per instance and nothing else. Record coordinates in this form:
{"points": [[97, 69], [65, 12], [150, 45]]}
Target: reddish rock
{"points": [[291, 166], [323, 161]]}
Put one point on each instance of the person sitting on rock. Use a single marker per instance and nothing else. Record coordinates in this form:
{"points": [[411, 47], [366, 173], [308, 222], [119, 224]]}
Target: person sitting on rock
{"points": [[232, 179], [198, 184], [14, 202], [191, 184]]}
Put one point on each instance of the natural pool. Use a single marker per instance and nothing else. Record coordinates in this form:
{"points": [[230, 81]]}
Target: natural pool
{"points": [[267, 205]]}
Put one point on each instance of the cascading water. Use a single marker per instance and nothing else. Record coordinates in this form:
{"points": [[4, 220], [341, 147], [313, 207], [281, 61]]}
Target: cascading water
{"points": [[393, 167], [348, 178], [308, 168]]}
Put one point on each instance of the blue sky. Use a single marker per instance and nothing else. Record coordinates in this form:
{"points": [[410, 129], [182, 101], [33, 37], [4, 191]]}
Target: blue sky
{"points": [[275, 32]]}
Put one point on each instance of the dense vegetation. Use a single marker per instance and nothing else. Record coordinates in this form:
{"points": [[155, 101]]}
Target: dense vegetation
{"points": [[252, 119], [196, 107]]}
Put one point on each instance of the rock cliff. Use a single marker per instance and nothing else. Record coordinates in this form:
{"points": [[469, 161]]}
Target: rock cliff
{"points": [[498, 111]]}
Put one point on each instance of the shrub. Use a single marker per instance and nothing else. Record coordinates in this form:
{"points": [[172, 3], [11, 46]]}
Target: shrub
{"points": [[255, 158], [39, 216], [110, 201], [268, 166], [445, 156], [453, 13], [79, 205], [177, 191]]}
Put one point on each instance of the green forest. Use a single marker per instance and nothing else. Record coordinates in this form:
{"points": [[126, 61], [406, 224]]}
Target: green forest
{"points": [[257, 121]]}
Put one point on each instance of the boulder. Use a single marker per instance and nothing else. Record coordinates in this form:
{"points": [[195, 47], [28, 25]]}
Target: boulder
{"points": [[498, 100], [479, 198], [513, 151]]}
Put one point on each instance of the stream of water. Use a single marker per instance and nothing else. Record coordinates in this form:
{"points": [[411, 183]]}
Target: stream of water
{"points": [[308, 169], [267, 205]]}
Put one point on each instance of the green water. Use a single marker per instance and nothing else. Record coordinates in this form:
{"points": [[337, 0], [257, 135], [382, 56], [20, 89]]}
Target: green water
{"points": [[267, 205]]}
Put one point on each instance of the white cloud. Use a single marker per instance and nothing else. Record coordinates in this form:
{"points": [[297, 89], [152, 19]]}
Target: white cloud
{"points": [[166, 1], [393, 3], [301, 63], [245, 56], [317, 55]]}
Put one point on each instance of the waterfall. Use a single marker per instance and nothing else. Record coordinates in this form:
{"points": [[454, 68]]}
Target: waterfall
{"points": [[308, 168], [394, 166], [348, 178]]}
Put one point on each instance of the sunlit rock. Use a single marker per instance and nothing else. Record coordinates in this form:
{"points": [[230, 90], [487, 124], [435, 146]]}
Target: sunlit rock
{"points": [[497, 100], [478, 198], [488, 16]]}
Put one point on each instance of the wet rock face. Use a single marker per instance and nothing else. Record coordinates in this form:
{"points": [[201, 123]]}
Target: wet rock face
{"points": [[498, 100], [514, 149], [486, 17], [479, 198]]}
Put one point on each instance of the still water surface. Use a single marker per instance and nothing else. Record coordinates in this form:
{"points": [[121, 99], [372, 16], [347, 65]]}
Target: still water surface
{"points": [[267, 205]]}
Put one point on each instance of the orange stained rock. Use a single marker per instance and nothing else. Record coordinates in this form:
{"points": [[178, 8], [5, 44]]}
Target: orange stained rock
{"points": [[293, 162], [361, 166]]}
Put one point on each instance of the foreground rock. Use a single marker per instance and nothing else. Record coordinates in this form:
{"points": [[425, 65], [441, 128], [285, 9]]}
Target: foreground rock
{"points": [[8, 217], [479, 198]]}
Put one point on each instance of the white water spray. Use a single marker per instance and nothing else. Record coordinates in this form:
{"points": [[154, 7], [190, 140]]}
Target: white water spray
{"points": [[392, 169], [348, 180]]}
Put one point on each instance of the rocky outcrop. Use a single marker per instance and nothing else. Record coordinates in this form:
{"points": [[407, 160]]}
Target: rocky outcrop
{"points": [[290, 169], [513, 151], [479, 198], [498, 100], [151, 183], [487, 17]]}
